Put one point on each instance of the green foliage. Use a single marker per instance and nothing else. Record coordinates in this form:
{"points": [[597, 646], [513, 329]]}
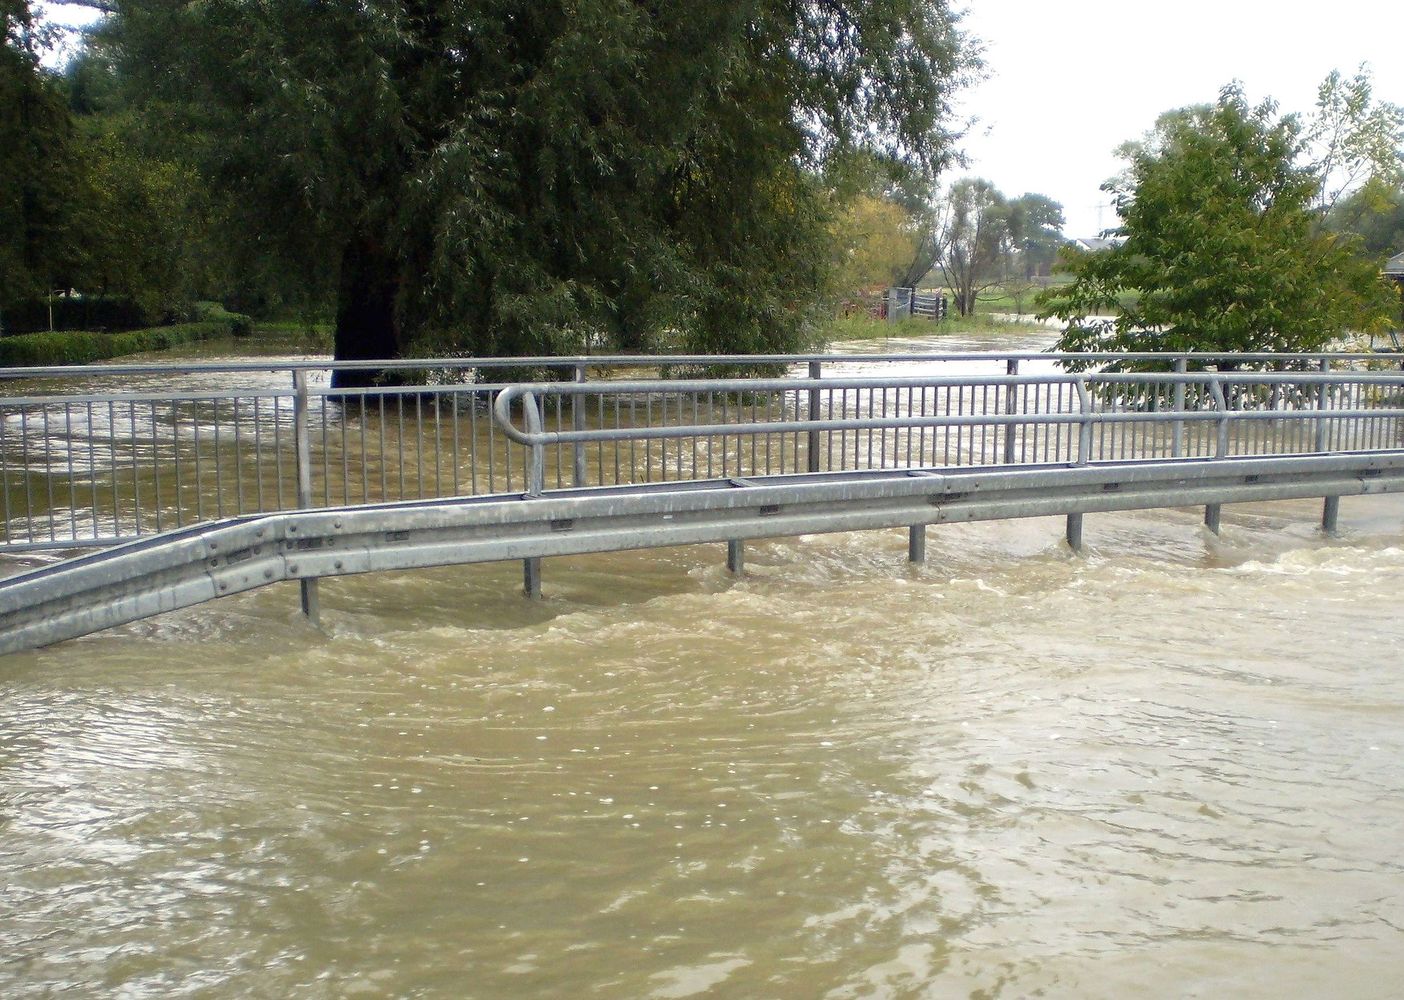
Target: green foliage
{"points": [[39, 166], [529, 178], [1374, 213], [79, 347], [1220, 238], [1353, 141], [983, 240], [81, 206]]}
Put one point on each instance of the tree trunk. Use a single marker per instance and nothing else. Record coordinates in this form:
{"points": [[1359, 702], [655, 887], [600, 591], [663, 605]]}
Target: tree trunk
{"points": [[367, 328]]}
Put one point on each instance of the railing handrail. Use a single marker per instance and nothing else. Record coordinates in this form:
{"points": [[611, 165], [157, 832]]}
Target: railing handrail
{"points": [[535, 436], [668, 360]]}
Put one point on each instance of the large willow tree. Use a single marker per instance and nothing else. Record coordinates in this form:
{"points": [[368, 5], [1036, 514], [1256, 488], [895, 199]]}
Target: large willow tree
{"points": [[538, 176]]}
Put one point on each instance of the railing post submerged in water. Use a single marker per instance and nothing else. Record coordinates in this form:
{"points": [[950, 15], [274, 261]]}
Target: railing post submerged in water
{"points": [[1331, 506], [1216, 388], [311, 601], [1073, 533], [1177, 431], [536, 483], [577, 422], [1010, 407]]}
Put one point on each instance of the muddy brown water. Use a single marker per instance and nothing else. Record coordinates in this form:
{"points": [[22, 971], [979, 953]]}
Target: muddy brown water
{"points": [[1167, 767]]}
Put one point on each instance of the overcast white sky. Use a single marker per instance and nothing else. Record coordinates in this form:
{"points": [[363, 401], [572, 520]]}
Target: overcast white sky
{"points": [[1071, 80]]}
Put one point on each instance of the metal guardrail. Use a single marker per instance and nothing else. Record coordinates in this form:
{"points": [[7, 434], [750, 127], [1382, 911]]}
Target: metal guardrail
{"points": [[180, 569], [110, 453]]}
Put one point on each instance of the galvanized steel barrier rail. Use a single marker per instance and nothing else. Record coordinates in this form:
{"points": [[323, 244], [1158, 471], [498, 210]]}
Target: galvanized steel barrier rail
{"points": [[85, 463]]}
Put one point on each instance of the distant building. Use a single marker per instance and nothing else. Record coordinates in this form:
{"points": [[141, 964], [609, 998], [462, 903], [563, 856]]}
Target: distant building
{"points": [[1092, 244], [1394, 267]]}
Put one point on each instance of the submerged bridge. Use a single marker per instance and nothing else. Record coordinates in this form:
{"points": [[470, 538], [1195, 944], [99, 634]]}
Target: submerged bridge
{"points": [[177, 486]]}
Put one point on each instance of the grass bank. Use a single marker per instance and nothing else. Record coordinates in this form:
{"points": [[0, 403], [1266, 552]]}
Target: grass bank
{"points": [[79, 347]]}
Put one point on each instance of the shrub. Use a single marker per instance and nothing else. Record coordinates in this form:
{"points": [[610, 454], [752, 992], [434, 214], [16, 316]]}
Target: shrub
{"points": [[78, 347]]}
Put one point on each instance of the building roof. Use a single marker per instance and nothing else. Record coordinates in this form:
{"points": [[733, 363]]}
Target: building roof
{"points": [[1394, 267]]}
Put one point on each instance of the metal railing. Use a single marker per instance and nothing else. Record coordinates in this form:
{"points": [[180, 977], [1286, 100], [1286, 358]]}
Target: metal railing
{"points": [[92, 456]]}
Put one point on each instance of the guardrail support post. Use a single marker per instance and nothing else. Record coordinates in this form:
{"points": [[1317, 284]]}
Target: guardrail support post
{"points": [[1211, 516], [531, 577], [816, 370], [577, 422], [736, 556], [1074, 532], [311, 599], [1330, 513], [1010, 407], [916, 543]]}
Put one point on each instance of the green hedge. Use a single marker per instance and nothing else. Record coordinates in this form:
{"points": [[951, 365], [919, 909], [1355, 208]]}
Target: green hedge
{"points": [[79, 347]]}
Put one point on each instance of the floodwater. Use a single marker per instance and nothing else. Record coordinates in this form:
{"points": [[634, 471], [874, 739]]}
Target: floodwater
{"points": [[1168, 766]]}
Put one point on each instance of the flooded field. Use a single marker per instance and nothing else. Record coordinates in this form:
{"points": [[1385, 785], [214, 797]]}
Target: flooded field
{"points": [[1167, 767]]}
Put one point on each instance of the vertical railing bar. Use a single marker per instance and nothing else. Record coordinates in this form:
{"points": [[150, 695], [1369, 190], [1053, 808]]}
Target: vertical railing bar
{"points": [[438, 442], [400, 440], [28, 483], [326, 457], [615, 447], [725, 445], [946, 445], [830, 446], [49, 473], [343, 430], [696, 421], [871, 413], [577, 422], [218, 460], [277, 452], [492, 456], [633, 425], [648, 445], [1011, 367], [238, 461], [678, 450], [419, 444], [768, 437], [175, 462], [660, 419], [985, 429], [5, 472], [711, 422], [457, 447], [754, 417], [155, 469], [258, 455], [560, 426], [472, 448], [603, 415], [136, 483], [363, 432], [921, 431], [72, 486]]}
